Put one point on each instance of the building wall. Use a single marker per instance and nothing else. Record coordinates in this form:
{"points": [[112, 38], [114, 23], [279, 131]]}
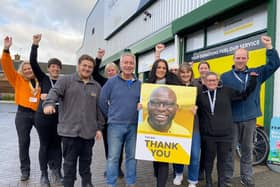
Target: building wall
{"points": [[163, 12]]}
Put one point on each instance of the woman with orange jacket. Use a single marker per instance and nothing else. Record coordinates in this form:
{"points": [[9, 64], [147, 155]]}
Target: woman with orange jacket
{"points": [[27, 96]]}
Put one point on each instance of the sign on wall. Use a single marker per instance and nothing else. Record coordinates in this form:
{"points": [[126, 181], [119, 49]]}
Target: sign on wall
{"points": [[243, 24], [221, 59]]}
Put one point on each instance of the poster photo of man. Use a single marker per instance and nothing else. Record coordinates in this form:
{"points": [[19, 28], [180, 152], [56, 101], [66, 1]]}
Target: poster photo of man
{"points": [[165, 123]]}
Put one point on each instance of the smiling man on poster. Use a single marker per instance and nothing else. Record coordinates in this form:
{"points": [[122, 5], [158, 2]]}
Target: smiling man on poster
{"points": [[165, 123]]}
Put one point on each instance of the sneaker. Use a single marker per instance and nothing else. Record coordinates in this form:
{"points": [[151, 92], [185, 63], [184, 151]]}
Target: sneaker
{"points": [[247, 183], [178, 179], [191, 185]]}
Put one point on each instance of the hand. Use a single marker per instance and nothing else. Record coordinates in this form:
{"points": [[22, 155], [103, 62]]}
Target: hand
{"points": [[100, 53], [37, 39], [139, 106], [98, 135], [8, 42], [254, 74], [159, 48], [266, 40], [43, 96], [194, 109], [49, 109]]}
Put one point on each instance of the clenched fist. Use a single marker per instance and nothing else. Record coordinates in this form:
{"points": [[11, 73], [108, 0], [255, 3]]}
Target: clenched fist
{"points": [[37, 39], [266, 40], [8, 42]]}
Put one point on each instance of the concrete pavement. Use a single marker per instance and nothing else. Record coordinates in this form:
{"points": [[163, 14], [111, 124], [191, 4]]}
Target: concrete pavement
{"points": [[10, 172]]}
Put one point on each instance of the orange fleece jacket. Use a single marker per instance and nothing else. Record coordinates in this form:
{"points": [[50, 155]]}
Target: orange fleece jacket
{"points": [[23, 92]]}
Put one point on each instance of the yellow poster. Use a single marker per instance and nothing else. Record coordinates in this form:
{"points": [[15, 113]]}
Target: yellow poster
{"points": [[165, 123]]}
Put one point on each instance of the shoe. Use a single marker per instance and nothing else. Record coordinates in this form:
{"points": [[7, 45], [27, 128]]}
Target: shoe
{"points": [[191, 185], [105, 174], [44, 181], [201, 175], [247, 183], [178, 179], [24, 176], [121, 174], [57, 177]]}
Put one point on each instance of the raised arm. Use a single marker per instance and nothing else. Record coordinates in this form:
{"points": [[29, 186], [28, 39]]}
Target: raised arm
{"points": [[95, 74], [158, 49], [7, 63], [273, 61], [33, 58]]}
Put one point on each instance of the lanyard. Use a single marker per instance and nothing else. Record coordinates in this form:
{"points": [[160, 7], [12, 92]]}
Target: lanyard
{"points": [[34, 89], [212, 102], [240, 80]]}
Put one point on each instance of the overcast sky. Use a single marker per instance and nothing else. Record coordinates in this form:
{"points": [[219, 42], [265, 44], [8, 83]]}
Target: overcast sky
{"points": [[61, 23]]}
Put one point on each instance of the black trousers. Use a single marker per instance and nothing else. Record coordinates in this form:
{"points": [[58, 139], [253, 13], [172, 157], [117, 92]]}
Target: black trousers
{"points": [[202, 157], [161, 173], [74, 149], [104, 135], [223, 151], [24, 122], [50, 152]]}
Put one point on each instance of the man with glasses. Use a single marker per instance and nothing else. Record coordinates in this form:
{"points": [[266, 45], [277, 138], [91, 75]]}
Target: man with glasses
{"points": [[162, 108]]}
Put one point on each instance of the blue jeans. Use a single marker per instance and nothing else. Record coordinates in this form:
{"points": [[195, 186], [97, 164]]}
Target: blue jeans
{"points": [[243, 134], [193, 169], [117, 135]]}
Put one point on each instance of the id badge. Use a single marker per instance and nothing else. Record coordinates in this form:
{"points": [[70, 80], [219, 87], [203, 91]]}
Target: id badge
{"points": [[33, 99]]}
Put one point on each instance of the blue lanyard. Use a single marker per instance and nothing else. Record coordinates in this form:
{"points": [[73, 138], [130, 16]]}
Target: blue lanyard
{"points": [[244, 83]]}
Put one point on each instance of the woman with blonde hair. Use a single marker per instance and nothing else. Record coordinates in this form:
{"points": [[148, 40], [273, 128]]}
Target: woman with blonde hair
{"points": [[27, 96]]}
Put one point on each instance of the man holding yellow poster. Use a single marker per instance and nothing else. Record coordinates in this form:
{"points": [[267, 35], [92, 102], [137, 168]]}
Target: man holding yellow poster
{"points": [[165, 123]]}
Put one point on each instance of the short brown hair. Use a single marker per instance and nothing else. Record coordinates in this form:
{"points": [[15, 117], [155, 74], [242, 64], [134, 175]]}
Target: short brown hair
{"points": [[55, 61], [86, 57]]}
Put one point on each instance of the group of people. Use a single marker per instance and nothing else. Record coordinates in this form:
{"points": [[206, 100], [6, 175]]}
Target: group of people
{"points": [[75, 110]]}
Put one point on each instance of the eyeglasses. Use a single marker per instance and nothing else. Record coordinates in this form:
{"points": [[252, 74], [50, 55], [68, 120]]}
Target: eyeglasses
{"points": [[157, 104]]}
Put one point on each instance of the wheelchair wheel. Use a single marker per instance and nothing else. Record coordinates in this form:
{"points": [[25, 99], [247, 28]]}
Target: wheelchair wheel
{"points": [[260, 149]]}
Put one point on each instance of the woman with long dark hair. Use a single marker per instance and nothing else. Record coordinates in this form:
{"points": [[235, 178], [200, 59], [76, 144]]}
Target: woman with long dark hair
{"points": [[160, 74]]}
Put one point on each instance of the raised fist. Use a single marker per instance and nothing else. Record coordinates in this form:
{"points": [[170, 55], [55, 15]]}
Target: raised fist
{"points": [[160, 47], [7, 42], [37, 39], [266, 40], [100, 53]]}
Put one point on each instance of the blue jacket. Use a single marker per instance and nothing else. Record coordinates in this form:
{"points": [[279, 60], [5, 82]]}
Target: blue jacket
{"points": [[118, 100], [250, 108]]}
